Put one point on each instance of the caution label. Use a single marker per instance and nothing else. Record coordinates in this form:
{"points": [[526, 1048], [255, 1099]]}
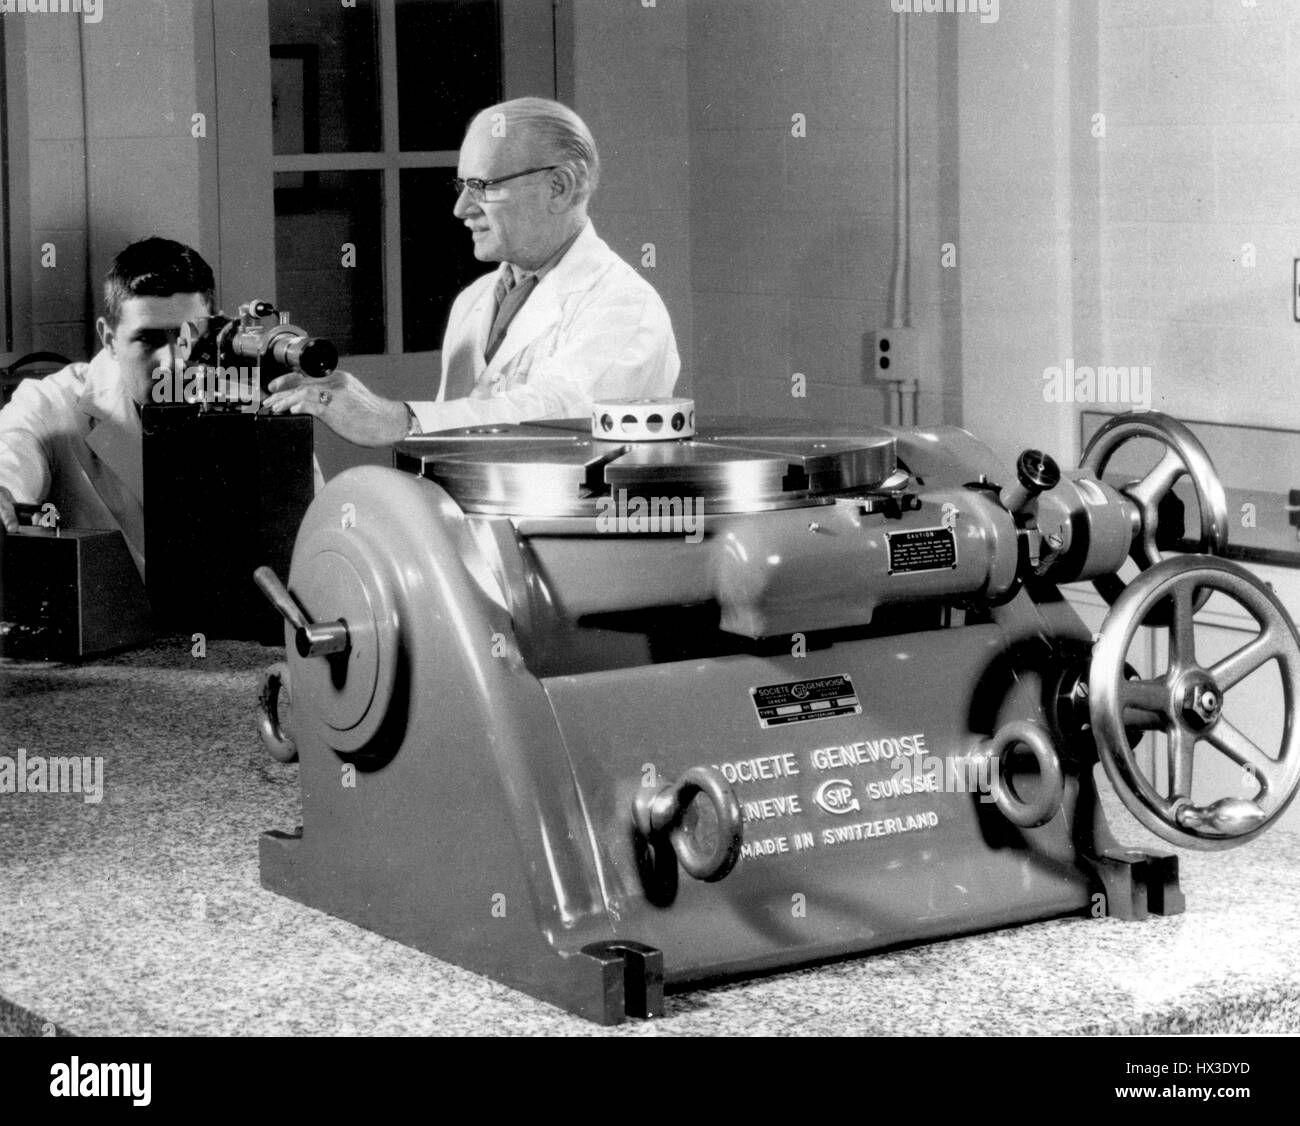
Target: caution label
{"points": [[923, 549], [801, 700]]}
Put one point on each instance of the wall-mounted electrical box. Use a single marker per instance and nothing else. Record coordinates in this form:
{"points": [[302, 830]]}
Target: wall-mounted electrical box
{"points": [[892, 354]]}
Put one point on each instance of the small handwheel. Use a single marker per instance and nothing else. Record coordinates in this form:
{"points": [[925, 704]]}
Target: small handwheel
{"points": [[1184, 455], [1187, 704]]}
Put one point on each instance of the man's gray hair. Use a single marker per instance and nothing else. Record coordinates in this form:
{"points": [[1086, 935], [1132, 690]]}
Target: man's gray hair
{"points": [[563, 136]]}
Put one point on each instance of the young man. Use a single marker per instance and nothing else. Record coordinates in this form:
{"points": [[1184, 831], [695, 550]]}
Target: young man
{"points": [[74, 437], [563, 321]]}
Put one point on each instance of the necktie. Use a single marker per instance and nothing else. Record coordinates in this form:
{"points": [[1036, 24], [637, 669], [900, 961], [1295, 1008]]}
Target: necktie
{"points": [[509, 298]]}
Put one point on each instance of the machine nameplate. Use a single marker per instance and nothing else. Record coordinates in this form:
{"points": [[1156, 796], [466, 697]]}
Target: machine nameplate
{"points": [[850, 783], [922, 549], [799, 700]]}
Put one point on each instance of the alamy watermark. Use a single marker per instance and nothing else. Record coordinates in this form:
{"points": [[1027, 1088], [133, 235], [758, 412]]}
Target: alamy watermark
{"points": [[76, 1079], [206, 383], [623, 515], [1071, 383], [36, 774], [987, 10], [91, 11], [960, 774]]}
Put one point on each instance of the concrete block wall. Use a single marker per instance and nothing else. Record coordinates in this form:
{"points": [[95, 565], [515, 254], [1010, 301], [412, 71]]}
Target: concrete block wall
{"points": [[1200, 218], [629, 79], [108, 155], [47, 56], [792, 236]]}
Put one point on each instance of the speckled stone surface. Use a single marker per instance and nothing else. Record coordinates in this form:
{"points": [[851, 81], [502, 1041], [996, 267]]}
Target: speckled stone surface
{"points": [[143, 914]]}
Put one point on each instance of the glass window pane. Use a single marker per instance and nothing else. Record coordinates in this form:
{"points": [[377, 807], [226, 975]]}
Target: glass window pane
{"points": [[448, 68], [324, 76], [316, 214], [437, 256]]}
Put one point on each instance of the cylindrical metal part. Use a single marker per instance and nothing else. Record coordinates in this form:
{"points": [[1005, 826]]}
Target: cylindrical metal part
{"points": [[289, 348], [642, 420], [1093, 524], [311, 355], [796, 571]]}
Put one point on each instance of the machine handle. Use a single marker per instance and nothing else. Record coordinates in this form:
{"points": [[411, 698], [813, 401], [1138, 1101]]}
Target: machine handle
{"points": [[274, 738], [661, 813], [1051, 789], [1228, 817], [312, 639]]}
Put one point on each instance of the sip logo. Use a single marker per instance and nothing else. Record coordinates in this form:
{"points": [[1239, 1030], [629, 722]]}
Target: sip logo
{"points": [[799, 692], [835, 795]]}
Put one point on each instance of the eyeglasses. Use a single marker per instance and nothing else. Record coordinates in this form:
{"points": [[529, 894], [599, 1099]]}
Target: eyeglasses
{"points": [[478, 188]]}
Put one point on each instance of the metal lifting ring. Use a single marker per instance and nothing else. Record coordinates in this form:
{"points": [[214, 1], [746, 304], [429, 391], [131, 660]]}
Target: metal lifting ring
{"points": [[1051, 787], [661, 813], [278, 742]]}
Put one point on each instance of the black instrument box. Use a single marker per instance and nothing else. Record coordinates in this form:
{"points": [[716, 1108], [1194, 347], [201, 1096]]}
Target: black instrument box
{"points": [[65, 595], [225, 492]]}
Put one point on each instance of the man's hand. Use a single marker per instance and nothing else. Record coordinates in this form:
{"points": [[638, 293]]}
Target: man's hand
{"points": [[8, 516], [344, 404]]}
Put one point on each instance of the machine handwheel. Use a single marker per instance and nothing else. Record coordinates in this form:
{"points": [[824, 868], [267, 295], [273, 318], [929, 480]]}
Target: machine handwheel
{"points": [[1187, 704], [1184, 455]]}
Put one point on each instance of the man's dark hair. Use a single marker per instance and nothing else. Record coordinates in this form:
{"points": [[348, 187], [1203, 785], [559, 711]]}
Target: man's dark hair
{"points": [[156, 267]]}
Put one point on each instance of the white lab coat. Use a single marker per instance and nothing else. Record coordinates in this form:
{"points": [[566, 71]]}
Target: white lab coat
{"points": [[74, 439], [592, 329]]}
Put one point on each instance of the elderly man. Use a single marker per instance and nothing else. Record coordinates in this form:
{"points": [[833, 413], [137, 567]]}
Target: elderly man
{"points": [[74, 438], [563, 321]]}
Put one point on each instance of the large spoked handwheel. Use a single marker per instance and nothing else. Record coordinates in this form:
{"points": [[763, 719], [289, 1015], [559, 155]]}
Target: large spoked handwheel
{"points": [[1184, 455], [1187, 704]]}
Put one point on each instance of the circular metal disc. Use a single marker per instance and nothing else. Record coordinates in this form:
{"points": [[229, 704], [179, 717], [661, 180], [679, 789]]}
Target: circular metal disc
{"points": [[559, 469], [338, 574]]}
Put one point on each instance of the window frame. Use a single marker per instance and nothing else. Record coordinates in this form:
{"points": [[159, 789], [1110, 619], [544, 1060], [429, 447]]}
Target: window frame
{"points": [[15, 225], [238, 199], [523, 24]]}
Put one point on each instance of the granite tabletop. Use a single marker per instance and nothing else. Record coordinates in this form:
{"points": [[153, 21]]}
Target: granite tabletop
{"points": [[142, 913]]}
